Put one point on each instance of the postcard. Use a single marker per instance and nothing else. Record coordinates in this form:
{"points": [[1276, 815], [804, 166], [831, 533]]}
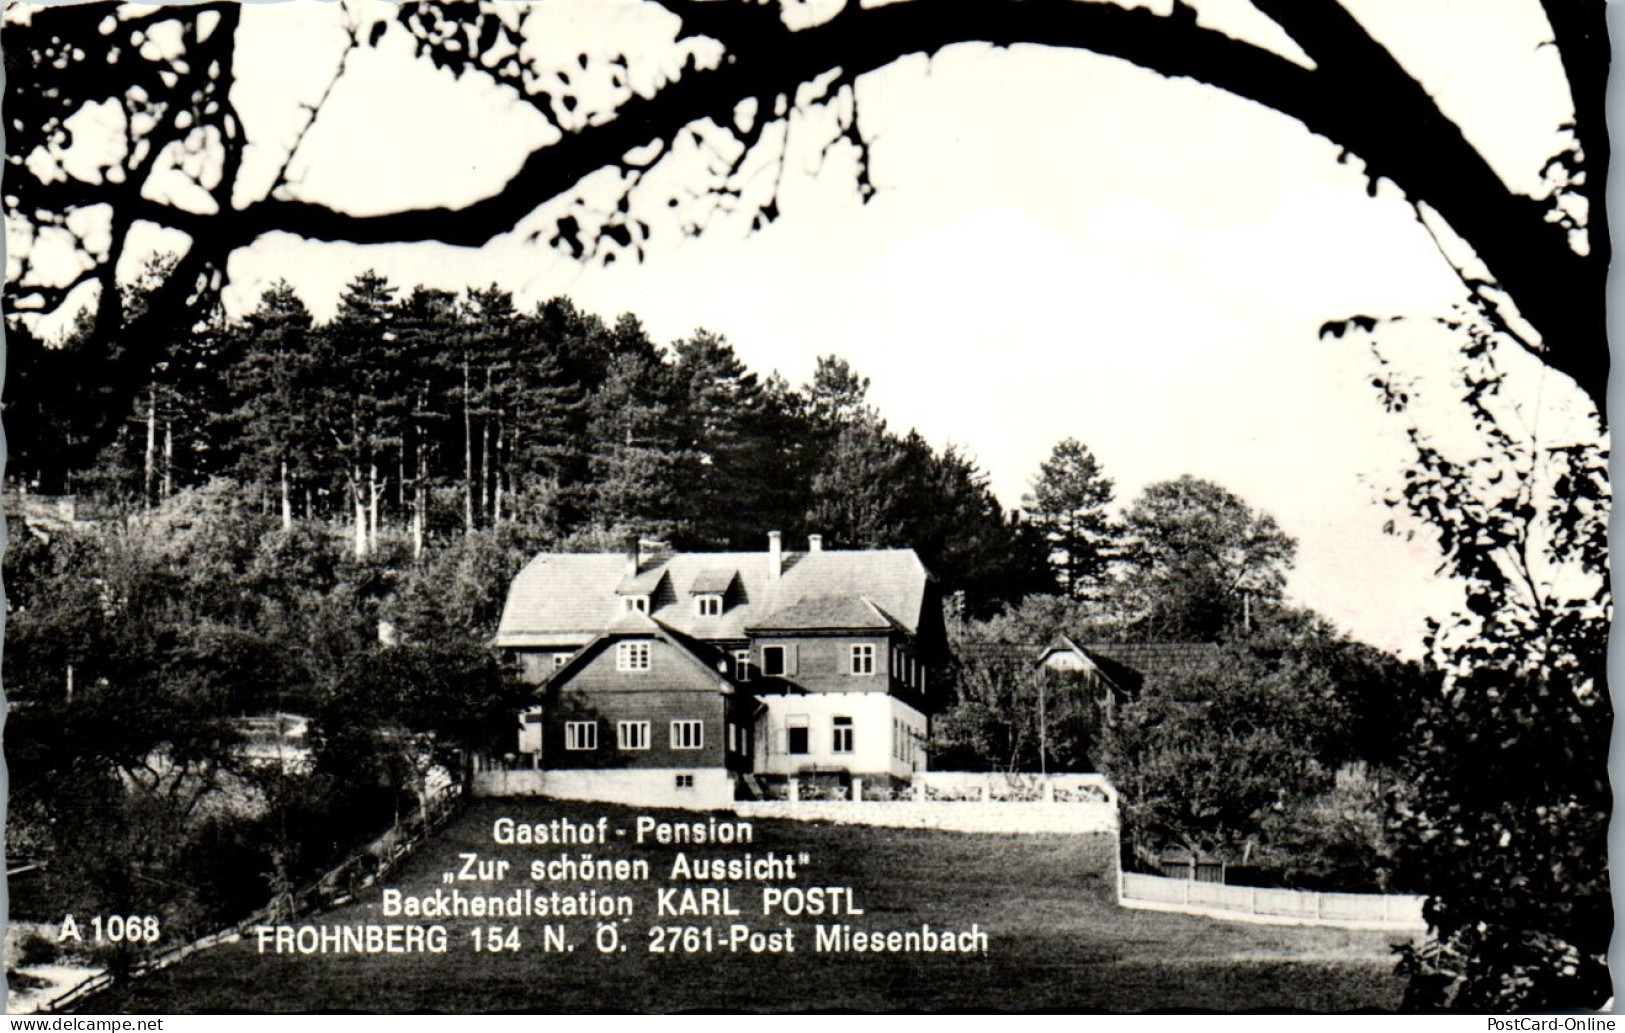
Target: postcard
{"points": [[658, 506]]}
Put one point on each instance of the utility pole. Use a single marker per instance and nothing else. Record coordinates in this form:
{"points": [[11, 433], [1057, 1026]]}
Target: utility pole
{"points": [[1043, 726]]}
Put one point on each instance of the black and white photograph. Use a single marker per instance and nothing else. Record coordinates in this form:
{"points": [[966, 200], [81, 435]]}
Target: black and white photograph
{"points": [[785, 506]]}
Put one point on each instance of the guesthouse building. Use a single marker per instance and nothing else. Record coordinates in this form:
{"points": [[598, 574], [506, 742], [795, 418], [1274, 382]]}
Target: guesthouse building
{"points": [[701, 677]]}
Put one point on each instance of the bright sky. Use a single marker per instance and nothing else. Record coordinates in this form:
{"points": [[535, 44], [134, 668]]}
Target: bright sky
{"points": [[1061, 245]]}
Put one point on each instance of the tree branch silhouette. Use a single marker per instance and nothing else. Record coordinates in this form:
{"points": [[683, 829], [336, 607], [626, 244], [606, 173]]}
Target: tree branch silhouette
{"points": [[1355, 94]]}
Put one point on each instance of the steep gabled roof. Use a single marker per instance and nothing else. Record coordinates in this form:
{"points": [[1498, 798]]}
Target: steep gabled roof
{"points": [[633, 624], [1059, 644], [1124, 665], [566, 599]]}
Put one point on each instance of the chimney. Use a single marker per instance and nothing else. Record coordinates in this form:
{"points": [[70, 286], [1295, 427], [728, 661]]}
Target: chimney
{"points": [[815, 543], [775, 555], [631, 555]]}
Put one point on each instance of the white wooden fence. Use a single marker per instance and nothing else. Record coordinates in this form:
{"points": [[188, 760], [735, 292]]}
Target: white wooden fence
{"points": [[1397, 913]]}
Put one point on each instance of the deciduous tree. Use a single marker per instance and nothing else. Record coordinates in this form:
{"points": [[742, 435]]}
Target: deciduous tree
{"points": [[1198, 561], [1204, 760], [1503, 817]]}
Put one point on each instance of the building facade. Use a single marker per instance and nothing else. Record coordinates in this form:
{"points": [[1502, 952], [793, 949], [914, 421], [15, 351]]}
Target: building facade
{"points": [[719, 673]]}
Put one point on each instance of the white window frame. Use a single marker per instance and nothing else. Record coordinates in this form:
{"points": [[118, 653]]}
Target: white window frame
{"points": [[637, 604], [684, 781], [841, 728], [797, 723], [560, 659], [782, 652], [708, 605], [581, 735], [863, 660], [638, 739], [682, 740], [634, 657], [742, 664]]}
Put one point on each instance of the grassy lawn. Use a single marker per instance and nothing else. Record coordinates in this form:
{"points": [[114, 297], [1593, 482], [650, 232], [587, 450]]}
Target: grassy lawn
{"points": [[1056, 940]]}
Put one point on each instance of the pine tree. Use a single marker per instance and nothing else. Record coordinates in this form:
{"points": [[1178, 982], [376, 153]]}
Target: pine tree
{"points": [[546, 440], [638, 457], [858, 491], [964, 535], [359, 397], [1068, 505], [734, 442], [490, 317], [837, 396], [273, 442], [427, 330]]}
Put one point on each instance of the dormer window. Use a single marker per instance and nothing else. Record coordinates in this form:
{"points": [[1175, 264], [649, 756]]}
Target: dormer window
{"points": [[637, 604], [711, 589]]}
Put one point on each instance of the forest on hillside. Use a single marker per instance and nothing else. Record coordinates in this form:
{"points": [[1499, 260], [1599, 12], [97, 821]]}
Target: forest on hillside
{"points": [[427, 414]]}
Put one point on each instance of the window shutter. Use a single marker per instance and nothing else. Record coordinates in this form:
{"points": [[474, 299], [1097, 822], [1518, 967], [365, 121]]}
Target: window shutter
{"points": [[790, 658]]}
